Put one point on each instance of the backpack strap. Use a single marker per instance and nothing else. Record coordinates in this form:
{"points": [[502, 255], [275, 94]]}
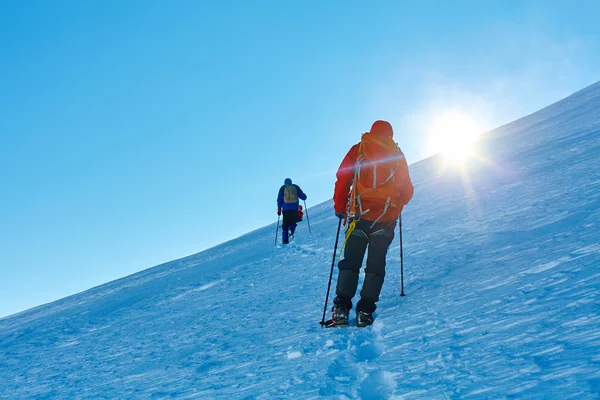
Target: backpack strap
{"points": [[385, 210], [353, 197]]}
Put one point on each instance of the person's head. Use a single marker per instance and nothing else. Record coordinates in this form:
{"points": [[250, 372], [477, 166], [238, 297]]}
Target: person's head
{"points": [[287, 181], [380, 127]]}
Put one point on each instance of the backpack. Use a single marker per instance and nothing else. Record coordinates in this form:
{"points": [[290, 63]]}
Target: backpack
{"points": [[375, 181], [290, 194]]}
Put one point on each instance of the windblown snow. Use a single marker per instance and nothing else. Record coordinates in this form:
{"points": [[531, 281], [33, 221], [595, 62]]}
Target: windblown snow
{"points": [[502, 280]]}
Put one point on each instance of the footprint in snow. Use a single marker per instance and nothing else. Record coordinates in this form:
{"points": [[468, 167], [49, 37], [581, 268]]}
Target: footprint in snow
{"points": [[377, 385]]}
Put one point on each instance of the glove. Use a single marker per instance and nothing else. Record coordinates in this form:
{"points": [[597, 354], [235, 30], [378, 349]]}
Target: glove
{"points": [[340, 215], [279, 211]]}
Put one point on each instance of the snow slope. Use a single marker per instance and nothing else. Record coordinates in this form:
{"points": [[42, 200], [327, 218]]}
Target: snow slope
{"points": [[502, 265]]}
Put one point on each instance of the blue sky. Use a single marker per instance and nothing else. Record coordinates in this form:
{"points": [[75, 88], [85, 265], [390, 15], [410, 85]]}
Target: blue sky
{"points": [[137, 132]]}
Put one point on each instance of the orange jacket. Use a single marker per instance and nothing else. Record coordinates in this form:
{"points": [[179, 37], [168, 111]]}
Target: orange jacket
{"points": [[345, 177]]}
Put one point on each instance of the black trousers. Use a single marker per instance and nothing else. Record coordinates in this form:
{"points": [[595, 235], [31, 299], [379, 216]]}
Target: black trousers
{"points": [[377, 240], [290, 217]]}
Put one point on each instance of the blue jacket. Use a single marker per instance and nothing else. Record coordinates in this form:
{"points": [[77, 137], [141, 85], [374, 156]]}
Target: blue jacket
{"points": [[289, 206]]}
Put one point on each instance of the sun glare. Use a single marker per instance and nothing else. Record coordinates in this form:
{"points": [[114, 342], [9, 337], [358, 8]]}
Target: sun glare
{"points": [[453, 134]]}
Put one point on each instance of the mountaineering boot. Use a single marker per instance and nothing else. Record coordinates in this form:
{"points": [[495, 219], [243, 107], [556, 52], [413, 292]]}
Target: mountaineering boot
{"points": [[285, 237], [364, 319], [339, 316]]}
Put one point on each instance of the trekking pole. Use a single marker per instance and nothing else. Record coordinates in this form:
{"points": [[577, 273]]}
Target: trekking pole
{"points": [[277, 229], [401, 257], [337, 237], [307, 220]]}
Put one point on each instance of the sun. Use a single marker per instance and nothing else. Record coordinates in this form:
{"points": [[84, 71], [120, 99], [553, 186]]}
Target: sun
{"points": [[453, 134]]}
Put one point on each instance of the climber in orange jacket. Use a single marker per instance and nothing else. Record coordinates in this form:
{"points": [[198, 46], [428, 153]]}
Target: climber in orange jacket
{"points": [[373, 186]]}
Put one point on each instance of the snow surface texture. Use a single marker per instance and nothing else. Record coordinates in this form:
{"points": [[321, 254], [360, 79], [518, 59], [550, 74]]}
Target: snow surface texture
{"points": [[502, 283]]}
